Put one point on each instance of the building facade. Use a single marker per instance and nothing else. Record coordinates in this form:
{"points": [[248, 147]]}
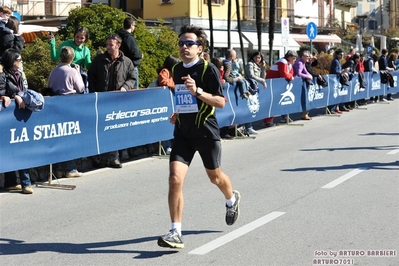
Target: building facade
{"points": [[41, 9]]}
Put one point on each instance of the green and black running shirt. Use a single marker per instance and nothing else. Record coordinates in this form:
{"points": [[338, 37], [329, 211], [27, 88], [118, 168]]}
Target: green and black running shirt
{"points": [[202, 123]]}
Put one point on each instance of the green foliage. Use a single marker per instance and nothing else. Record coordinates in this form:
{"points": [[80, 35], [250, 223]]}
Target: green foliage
{"points": [[324, 62], [392, 34], [37, 64], [101, 20], [156, 44]]}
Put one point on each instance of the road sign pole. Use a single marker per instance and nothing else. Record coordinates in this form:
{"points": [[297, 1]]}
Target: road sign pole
{"points": [[311, 47]]}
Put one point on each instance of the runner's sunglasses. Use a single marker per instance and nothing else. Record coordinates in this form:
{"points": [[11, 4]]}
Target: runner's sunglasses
{"points": [[188, 43]]}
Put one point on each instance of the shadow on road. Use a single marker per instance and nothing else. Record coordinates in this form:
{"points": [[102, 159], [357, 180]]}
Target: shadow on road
{"points": [[17, 247], [382, 148], [371, 165]]}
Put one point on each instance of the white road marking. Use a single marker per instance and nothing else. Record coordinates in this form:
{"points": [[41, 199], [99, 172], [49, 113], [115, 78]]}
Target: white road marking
{"points": [[235, 234], [393, 152], [343, 178]]}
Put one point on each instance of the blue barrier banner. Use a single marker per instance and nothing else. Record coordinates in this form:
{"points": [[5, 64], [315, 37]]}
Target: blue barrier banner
{"points": [[78, 126], [314, 95], [63, 130], [133, 118], [376, 88]]}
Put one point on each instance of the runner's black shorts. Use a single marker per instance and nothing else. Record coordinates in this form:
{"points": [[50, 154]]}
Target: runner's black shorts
{"points": [[210, 151]]}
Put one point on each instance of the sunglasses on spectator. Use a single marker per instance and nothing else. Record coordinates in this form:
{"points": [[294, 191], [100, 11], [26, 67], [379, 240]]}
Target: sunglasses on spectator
{"points": [[19, 59], [188, 43], [113, 37]]}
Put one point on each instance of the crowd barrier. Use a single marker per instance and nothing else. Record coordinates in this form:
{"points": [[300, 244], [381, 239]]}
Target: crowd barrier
{"points": [[78, 126]]}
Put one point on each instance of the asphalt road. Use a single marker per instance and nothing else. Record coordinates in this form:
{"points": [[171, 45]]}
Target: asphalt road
{"points": [[323, 193]]}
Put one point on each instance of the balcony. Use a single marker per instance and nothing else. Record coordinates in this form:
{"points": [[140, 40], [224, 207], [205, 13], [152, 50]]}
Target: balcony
{"points": [[250, 13], [346, 3], [44, 8]]}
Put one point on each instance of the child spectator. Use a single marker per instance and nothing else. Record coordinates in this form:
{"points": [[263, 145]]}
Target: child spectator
{"points": [[219, 64]]}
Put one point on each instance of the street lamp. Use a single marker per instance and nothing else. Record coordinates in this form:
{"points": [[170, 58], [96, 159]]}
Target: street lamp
{"points": [[361, 26]]}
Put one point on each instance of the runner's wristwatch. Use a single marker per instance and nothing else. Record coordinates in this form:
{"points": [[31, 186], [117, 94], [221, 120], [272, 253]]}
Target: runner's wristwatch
{"points": [[199, 92]]}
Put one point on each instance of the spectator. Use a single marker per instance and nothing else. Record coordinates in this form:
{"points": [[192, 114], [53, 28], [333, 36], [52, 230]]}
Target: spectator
{"points": [[360, 70], [11, 40], [231, 72], [282, 69], [219, 65], [66, 80], [383, 65], [111, 71], [82, 57], [234, 78], [336, 68], [312, 62], [352, 51], [15, 82], [255, 69], [391, 63], [371, 65], [165, 78], [129, 46], [301, 71], [5, 14], [196, 130], [350, 65]]}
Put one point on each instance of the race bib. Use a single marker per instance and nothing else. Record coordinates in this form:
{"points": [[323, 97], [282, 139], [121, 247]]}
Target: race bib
{"points": [[185, 101]]}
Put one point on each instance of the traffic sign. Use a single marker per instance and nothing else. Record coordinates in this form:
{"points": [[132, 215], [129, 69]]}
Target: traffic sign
{"points": [[369, 49], [285, 31], [311, 30]]}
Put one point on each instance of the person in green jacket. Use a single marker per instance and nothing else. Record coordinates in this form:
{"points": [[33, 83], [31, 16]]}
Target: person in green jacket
{"points": [[82, 53]]}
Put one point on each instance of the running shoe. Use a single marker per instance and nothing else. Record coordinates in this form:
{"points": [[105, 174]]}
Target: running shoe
{"points": [[171, 240], [233, 212]]}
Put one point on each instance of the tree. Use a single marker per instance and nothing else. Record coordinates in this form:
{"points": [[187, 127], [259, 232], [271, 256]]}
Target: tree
{"points": [[101, 20], [37, 63]]}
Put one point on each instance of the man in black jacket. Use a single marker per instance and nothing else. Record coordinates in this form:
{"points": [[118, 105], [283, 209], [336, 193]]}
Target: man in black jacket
{"points": [[111, 71], [129, 46]]}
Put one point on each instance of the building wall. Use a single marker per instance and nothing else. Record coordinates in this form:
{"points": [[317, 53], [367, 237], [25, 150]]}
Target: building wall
{"points": [[306, 11], [394, 15], [181, 12], [375, 11]]}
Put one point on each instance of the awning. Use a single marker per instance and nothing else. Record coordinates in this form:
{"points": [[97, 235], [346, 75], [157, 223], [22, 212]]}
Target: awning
{"points": [[332, 38], [30, 32], [252, 37], [220, 39]]}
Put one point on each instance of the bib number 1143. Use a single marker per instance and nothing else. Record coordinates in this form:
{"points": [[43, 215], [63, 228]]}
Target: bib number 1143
{"points": [[185, 101]]}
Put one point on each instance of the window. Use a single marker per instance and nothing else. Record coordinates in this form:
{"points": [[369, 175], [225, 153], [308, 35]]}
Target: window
{"points": [[217, 2], [166, 2], [372, 10], [373, 25]]}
